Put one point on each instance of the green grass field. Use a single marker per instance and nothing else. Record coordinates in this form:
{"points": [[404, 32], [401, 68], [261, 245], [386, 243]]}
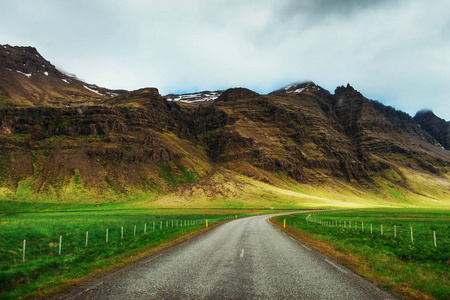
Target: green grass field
{"points": [[392, 259], [45, 269]]}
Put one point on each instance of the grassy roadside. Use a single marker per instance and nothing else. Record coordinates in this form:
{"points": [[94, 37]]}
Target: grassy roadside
{"points": [[45, 272], [411, 271]]}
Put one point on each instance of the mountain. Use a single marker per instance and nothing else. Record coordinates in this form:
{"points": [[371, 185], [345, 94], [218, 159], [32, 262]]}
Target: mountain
{"points": [[300, 145], [437, 127], [27, 79]]}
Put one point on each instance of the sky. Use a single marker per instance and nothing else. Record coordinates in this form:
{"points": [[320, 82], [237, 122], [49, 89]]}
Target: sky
{"points": [[393, 51]]}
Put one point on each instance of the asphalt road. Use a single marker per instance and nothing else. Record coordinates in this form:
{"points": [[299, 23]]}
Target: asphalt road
{"points": [[243, 259]]}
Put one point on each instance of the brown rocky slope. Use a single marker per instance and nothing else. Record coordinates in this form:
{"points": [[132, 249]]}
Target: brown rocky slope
{"points": [[295, 138], [313, 136], [28, 79]]}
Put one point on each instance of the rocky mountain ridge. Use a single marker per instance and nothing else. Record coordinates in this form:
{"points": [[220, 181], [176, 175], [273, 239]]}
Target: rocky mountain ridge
{"points": [[28, 79], [300, 135]]}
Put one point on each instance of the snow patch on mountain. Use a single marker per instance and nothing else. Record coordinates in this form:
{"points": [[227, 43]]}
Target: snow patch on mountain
{"points": [[194, 97], [94, 91], [28, 75], [296, 88]]}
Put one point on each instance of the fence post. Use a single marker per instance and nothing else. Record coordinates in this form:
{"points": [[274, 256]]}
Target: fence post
{"points": [[206, 223], [362, 226], [145, 227], [121, 233], [60, 241], [434, 234], [87, 237], [153, 226], [107, 235], [134, 230], [381, 229], [395, 231], [160, 226], [284, 223], [370, 228], [23, 250], [412, 237]]}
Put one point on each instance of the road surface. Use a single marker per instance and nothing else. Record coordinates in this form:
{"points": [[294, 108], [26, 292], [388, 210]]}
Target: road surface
{"points": [[244, 259]]}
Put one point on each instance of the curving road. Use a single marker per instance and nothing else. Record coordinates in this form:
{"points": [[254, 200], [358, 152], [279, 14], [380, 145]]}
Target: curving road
{"points": [[243, 259]]}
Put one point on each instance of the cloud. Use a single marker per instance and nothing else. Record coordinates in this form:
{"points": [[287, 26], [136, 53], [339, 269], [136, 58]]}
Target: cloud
{"points": [[394, 51]]}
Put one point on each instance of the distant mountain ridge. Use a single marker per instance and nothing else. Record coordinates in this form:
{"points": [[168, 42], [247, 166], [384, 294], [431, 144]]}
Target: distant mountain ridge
{"points": [[72, 138]]}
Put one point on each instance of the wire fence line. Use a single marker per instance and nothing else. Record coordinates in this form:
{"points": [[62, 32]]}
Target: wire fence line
{"points": [[395, 231], [81, 241]]}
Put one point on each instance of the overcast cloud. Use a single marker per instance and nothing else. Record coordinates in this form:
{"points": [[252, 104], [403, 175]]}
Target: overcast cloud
{"points": [[395, 51]]}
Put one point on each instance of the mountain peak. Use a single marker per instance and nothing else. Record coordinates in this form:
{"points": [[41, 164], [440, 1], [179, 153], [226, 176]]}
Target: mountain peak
{"points": [[348, 91], [296, 87], [26, 60], [28, 79], [423, 112]]}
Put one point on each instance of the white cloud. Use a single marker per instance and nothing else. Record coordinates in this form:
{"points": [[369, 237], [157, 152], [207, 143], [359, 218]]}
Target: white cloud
{"points": [[395, 51]]}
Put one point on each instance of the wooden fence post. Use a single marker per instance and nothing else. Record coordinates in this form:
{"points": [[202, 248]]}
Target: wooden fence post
{"points": [[23, 250]]}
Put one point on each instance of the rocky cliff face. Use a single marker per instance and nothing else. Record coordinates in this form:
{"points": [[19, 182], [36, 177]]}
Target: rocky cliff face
{"points": [[113, 148], [437, 127], [405, 123], [300, 134], [311, 135]]}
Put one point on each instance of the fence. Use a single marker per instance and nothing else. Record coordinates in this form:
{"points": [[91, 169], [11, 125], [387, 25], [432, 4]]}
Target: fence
{"points": [[80, 242], [394, 231]]}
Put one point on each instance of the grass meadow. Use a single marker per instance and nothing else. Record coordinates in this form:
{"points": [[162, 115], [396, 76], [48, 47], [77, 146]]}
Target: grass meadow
{"points": [[377, 243], [45, 270]]}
